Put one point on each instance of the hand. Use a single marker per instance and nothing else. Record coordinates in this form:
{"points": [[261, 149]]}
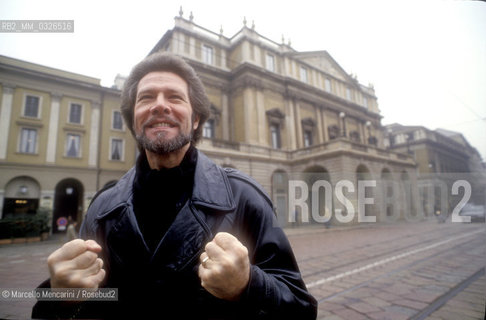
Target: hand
{"points": [[76, 265], [225, 267]]}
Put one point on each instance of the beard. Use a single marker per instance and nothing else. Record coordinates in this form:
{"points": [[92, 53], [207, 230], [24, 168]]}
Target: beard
{"points": [[162, 146]]}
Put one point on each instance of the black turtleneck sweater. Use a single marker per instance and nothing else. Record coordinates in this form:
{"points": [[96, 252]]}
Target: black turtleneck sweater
{"points": [[160, 194]]}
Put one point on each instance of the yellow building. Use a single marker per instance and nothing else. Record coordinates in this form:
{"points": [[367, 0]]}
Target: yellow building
{"points": [[61, 139]]}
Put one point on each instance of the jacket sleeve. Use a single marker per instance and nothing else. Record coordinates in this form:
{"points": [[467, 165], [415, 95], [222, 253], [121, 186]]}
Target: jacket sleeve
{"points": [[276, 289]]}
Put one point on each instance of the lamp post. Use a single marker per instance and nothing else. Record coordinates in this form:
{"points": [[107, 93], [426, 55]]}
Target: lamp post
{"points": [[342, 115], [368, 127], [390, 138]]}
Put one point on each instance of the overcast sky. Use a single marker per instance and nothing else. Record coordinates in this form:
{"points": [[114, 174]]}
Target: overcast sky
{"points": [[426, 59]]}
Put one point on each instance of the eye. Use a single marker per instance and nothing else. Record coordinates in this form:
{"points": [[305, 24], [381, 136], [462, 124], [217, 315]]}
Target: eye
{"points": [[176, 97], [144, 97]]}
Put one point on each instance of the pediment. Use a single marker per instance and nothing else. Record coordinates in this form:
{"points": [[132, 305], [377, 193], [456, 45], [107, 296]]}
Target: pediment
{"points": [[323, 61]]}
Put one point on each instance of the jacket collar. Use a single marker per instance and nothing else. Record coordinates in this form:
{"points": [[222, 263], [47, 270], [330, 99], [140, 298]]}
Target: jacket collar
{"points": [[211, 186], [211, 189]]}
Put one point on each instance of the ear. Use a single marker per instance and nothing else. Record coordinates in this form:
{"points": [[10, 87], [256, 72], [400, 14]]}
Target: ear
{"points": [[195, 123]]}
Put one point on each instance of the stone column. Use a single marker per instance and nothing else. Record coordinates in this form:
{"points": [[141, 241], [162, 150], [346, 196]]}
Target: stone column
{"points": [[290, 124], [324, 125], [94, 133], [261, 123], [225, 117], [320, 136], [362, 132], [5, 114], [192, 47], [248, 105], [53, 128], [298, 125]]}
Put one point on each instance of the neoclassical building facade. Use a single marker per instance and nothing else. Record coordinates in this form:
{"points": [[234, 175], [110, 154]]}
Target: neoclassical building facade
{"points": [[282, 115], [289, 119]]}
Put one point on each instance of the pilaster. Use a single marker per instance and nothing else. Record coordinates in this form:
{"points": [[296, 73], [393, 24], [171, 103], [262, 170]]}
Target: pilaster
{"points": [[53, 128], [94, 134], [5, 115]]}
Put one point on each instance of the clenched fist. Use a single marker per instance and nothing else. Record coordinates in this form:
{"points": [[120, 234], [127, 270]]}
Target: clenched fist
{"points": [[76, 265], [225, 267]]}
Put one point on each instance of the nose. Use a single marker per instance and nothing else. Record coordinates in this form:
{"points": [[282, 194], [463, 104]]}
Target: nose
{"points": [[160, 106]]}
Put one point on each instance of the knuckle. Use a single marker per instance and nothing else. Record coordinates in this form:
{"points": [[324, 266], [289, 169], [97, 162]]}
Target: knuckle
{"points": [[90, 256], [208, 245], [73, 281], [51, 259], [242, 251], [219, 236], [224, 264], [218, 271], [61, 273], [76, 243], [100, 262]]}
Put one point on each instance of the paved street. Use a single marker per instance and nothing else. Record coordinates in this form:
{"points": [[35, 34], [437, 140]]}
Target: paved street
{"points": [[420, 270]]}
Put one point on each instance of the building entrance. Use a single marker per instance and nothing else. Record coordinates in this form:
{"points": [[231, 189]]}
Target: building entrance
{"points": [[68, 203]]}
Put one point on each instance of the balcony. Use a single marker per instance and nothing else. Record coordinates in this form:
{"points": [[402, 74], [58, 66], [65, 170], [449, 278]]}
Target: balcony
{"points": [[334, 146]]}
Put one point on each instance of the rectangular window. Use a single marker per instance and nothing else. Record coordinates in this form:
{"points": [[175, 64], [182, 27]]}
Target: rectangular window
{"points": [[307, 138], [28, 140], [208, 129], [117, 123], [348, 93], [73, 145], [365, 103], [75, 113], [275, 135], [270, 62], [303, 74], [31, 108], [207, 54], [327, 85], [117, 149]]}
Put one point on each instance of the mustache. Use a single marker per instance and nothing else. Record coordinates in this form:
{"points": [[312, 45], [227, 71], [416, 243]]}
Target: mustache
{"points": [[153, 120]]}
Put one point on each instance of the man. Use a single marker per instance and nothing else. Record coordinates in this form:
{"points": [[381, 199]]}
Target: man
{"points": [[178, 235]]}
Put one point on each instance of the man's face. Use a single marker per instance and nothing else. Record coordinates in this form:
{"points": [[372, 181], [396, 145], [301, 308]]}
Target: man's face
{"points": [[163, 113]]}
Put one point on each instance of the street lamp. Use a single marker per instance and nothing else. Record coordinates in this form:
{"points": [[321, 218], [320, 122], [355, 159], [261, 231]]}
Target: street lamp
{"points": [[342, 115], [368, 127], [390, 137]]}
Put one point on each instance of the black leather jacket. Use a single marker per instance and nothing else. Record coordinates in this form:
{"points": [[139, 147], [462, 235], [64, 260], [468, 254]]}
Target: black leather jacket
{"points": [[165, 283]]}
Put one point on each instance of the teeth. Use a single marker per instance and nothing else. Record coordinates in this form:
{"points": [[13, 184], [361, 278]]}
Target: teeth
{"points": [[163, 124]]}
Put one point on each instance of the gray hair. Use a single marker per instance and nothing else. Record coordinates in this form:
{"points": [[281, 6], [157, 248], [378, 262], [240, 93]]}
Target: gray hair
{"points": [[163, 61]]}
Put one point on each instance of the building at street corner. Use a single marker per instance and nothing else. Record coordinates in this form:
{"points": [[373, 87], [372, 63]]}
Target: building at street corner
{"points": [[61, 139]]}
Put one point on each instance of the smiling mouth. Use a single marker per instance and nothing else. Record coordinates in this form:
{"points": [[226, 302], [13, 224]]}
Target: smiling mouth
{"points": [[162, 125]]}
